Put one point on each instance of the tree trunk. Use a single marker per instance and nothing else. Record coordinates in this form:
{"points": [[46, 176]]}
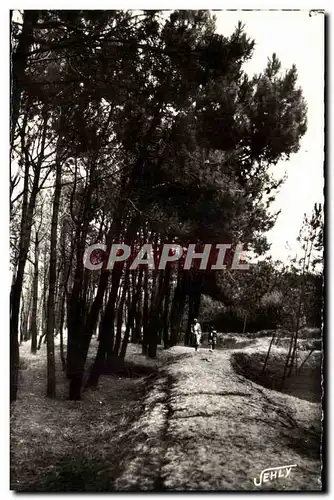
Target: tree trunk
{"points": [[24, 319], [245, 322], [76, 333], [131, 317], [268, 353], [106, 333], [293, 343], [166, 315], [158, 331], [145, 314], [193, 287], [79, 337], [61, 337], [33, 326], [120, 313], [155, 316], [62, 293], [178, 304], [19, 63], [136, 338], [303, 363], [25, 234], [22, 332], [136, 324], [51, 366], [188, 338], [137, 328], [44, 298]]}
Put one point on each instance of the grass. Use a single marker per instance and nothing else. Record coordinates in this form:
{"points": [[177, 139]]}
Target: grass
{"points": [[306, 385], [60, 445]]}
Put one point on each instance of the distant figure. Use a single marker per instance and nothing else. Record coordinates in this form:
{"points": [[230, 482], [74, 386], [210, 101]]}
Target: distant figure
{"points": [[212, 339], [197, 332]]}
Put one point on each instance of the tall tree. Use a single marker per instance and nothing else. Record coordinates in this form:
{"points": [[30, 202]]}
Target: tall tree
{"points": [[28, 206], [50, 326]]}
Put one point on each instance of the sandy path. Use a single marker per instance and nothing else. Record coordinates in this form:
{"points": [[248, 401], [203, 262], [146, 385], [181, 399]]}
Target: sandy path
{"points": [[208, 428]]}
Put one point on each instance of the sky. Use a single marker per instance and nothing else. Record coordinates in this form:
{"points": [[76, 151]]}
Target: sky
{"points": [[297, 39]]}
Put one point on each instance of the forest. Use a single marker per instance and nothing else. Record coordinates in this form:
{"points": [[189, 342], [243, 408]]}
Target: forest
{"points": [[142, 127]]}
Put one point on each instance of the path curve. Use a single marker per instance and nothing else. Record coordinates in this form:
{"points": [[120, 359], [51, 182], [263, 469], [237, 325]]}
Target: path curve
{"points": [[206, 428]]}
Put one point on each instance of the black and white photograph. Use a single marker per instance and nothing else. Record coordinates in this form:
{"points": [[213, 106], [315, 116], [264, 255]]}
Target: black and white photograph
{"points": [[166, 250]]}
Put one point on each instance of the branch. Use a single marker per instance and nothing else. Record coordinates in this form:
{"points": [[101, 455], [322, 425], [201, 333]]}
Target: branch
{"points": [[17, 197]]}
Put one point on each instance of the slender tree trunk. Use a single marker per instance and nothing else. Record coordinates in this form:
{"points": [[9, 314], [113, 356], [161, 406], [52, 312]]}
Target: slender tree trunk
{"points": [[44, 298], [43, 336], [19, 63], [145, 313], [293, 343], [188, 339], [108, 321], [268, 353], [61, 330], [153, 290], [178, 304], [63, 292], [301, 298], [21, 321], [131, 315], [136, 338], [61, 337], [129, 325], [24, 318], [155, 316], [25, 234], [118, 339], [158, 331], [76, 335], [51, 366], [245, 322], [33, 326], [191, 309], [303, 363], [136, 324], [166, 314], [193, 287]]}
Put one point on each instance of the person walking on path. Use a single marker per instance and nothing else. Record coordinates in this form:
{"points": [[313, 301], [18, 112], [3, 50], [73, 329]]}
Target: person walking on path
{"points": [[197, 332], [212, 339]]}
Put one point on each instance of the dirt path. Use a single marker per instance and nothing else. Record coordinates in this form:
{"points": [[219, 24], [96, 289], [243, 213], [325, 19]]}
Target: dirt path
{"points": [[207, 428]]}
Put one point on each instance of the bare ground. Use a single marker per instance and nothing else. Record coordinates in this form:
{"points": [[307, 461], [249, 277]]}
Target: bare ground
{"points": [[197, 425]]}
